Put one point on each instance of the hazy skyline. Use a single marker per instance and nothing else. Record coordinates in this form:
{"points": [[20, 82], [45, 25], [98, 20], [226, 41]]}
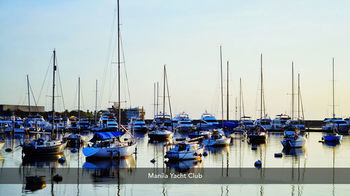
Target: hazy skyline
{"points": [[186, 37]]}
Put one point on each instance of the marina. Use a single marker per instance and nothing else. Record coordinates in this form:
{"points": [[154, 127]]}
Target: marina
{"points": [[174, 98]]}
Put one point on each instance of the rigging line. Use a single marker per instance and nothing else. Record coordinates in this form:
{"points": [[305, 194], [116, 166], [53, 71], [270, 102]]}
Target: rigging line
{"points": [[109, 55], [59, 80], [167, 87], [42, 86], [82, 99], [31, 90], [75, 102], [124, 63]]}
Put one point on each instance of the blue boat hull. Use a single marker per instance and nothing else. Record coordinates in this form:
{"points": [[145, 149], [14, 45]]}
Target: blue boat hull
{"points": [[330, 138]]}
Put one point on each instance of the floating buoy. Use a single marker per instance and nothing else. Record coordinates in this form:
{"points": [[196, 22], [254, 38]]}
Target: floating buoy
{"points": [[205, 154], [74, 150], [278, 154], [257, 164], [153, 161], [8, 149], [61, 160], [254, 147], [57, 178]]}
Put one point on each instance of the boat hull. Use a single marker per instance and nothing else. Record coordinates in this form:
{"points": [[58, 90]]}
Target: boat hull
{"points": [[257, 139], [29, 149], [184, 155], [328, 138], [140, 129], [160, 137], [106, 152], [217, 142], [291, 143]]}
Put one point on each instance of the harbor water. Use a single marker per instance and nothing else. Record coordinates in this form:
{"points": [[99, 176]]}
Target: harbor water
{"points": [[239, 154]]}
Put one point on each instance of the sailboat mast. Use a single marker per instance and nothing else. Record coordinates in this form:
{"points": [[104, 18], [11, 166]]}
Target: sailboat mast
{"points": [[292, 90], [53, 92], [154, 100], [222, 89], [157, 98], [119, 104], [79, 101], [228, 93], [164, 96], [240, 98], [261, 88], [96, 104], [298, 96], [333, 86], [28, 94], [236, 117]]}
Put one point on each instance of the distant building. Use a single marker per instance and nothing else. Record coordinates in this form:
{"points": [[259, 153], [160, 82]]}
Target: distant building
{"points": [[135, 112], [23, 108]]}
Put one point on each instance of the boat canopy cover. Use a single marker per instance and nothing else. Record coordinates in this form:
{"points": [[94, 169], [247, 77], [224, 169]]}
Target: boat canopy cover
{"points": [[107, 135]]}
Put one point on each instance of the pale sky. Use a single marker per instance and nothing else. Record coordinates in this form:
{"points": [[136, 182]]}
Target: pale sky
{"points": [[184, 35]]}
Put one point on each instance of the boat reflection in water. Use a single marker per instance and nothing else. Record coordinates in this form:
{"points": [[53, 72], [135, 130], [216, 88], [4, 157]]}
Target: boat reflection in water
{"points": [[103, 171], [184, 166], [293, 151], [48, 161], [218, 150], [34, 183], [331, 144], [127, 162]]}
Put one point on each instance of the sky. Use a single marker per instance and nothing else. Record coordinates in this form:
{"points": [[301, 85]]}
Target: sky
{"points": [[186, 36]]}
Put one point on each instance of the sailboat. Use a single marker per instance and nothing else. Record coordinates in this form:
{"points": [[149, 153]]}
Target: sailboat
{"points": [[292, 137], [51, 146], [299, 122], [333, 124], [258, 134], [162, 132], [109, 144], [75, 139], [264, 121]]}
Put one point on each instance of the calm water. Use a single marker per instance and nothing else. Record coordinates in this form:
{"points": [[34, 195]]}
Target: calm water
{"points": [[238, 154]]}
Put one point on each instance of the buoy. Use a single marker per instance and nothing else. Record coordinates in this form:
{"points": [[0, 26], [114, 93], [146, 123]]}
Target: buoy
{"points": [[61, 160], [257, 164], [153, 161], [205, 154], [254, 147], [278, 154], [57, 178], [74, 150], [8, 149]]}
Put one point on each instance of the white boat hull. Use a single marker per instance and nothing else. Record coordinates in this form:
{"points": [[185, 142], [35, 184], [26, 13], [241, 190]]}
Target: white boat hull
{"points": [[217, 142], [293, 143], [109, 152], [185, 155]]}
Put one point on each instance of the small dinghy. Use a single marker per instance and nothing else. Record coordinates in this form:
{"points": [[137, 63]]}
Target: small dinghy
{"points": [[185, 151], [218, 138]]}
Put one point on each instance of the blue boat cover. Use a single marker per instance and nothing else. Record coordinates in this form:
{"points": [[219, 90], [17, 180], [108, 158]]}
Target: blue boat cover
{"points": [[109, 135]]}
